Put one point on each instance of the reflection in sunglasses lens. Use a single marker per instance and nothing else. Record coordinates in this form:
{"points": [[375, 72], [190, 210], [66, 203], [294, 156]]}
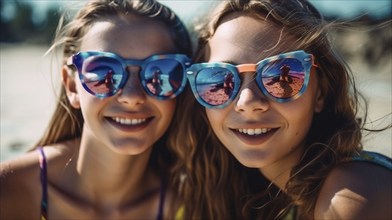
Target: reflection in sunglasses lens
{"points": [[283, 78], [163, 77], [101, 75], [215, 85]]}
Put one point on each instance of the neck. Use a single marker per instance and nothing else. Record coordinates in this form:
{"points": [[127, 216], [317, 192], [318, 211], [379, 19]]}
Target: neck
{"points": [[105, 177], [279, 172]]}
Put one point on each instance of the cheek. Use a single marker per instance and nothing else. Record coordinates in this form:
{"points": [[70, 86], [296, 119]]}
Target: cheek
{"points": [[86, 99], [217, 118], [89, 102], [299, 113], [91, 108], [214, 117], [167, 109]]}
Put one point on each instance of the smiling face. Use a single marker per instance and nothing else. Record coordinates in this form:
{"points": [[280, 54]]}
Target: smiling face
{"points": [[129, 122], [259, 132]]}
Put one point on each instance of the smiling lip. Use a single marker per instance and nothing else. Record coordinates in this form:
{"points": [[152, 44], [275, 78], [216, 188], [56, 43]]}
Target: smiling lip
{"points": [[129, 124], [254, 136]]}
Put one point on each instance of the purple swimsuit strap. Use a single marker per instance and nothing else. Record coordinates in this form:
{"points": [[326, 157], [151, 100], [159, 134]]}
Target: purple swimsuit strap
{"points": [[44, 187]]}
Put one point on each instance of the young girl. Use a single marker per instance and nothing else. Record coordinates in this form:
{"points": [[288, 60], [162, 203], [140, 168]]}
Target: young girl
{"points": [[104, 154], [284, 141]]}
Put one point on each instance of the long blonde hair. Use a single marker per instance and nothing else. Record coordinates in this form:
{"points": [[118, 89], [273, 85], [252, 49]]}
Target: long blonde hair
{"points": [[216, 186]]}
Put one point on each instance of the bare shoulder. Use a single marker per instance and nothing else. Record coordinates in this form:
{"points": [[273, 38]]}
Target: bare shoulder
{"points": [[20, 184], [356, 190], [19, 181]]}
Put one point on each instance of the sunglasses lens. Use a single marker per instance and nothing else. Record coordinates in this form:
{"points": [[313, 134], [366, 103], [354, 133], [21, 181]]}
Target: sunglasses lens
{"points": [[101, 76], [215, 85], [283, 78], [163, 77]]}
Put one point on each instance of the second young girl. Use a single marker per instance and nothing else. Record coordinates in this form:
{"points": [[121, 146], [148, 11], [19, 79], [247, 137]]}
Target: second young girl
{"points": [[277, 135]]}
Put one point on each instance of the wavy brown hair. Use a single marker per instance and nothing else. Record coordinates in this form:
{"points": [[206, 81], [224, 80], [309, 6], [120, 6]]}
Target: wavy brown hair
{"points": [[215, 185]]}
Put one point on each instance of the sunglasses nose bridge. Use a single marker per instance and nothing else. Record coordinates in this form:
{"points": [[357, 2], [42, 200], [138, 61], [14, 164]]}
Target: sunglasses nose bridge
{"points": [[250, 86], [132, 90], [131, 69], [246, 68], [248, 81], [132, 66]]}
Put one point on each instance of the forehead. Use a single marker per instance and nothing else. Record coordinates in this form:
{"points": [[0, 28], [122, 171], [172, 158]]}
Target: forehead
{"points": [[245, 39], [129, 36]]}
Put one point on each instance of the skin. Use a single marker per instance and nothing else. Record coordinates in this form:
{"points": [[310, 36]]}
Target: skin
{"points": [[275, 152], [349, 191], [132, 102], [105, 173], [356, 191]]}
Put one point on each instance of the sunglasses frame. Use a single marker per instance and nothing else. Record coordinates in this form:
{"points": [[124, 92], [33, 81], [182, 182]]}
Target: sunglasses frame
{"points": [[78, 59], [306, 59]]}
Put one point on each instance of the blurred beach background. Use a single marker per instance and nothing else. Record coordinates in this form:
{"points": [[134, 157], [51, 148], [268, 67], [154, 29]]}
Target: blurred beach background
{"points": [[30, 81]]}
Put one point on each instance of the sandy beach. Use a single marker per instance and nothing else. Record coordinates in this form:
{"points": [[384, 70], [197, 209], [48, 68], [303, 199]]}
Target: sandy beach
{"points": [[27, 97], [28, 94]]}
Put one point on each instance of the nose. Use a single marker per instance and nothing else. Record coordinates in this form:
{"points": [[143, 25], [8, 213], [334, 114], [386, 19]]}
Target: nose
{"points": [[251, 99], [132, 93]]}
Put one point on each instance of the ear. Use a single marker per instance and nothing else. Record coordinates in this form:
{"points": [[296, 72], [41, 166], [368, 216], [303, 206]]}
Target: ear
{"points": [[68, 80], [319, 102]]}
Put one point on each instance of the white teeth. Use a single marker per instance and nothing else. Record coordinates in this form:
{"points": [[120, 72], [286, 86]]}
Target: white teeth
{"points": [[128, 121], [254, 131]]}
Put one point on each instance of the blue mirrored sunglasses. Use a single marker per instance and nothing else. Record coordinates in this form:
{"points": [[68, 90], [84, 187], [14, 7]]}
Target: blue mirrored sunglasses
{"points": [[103, 74], [281, 78]]}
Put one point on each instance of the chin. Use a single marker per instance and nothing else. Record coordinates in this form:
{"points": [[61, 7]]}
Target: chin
{"points": [[249, 162], [252, 159]]}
